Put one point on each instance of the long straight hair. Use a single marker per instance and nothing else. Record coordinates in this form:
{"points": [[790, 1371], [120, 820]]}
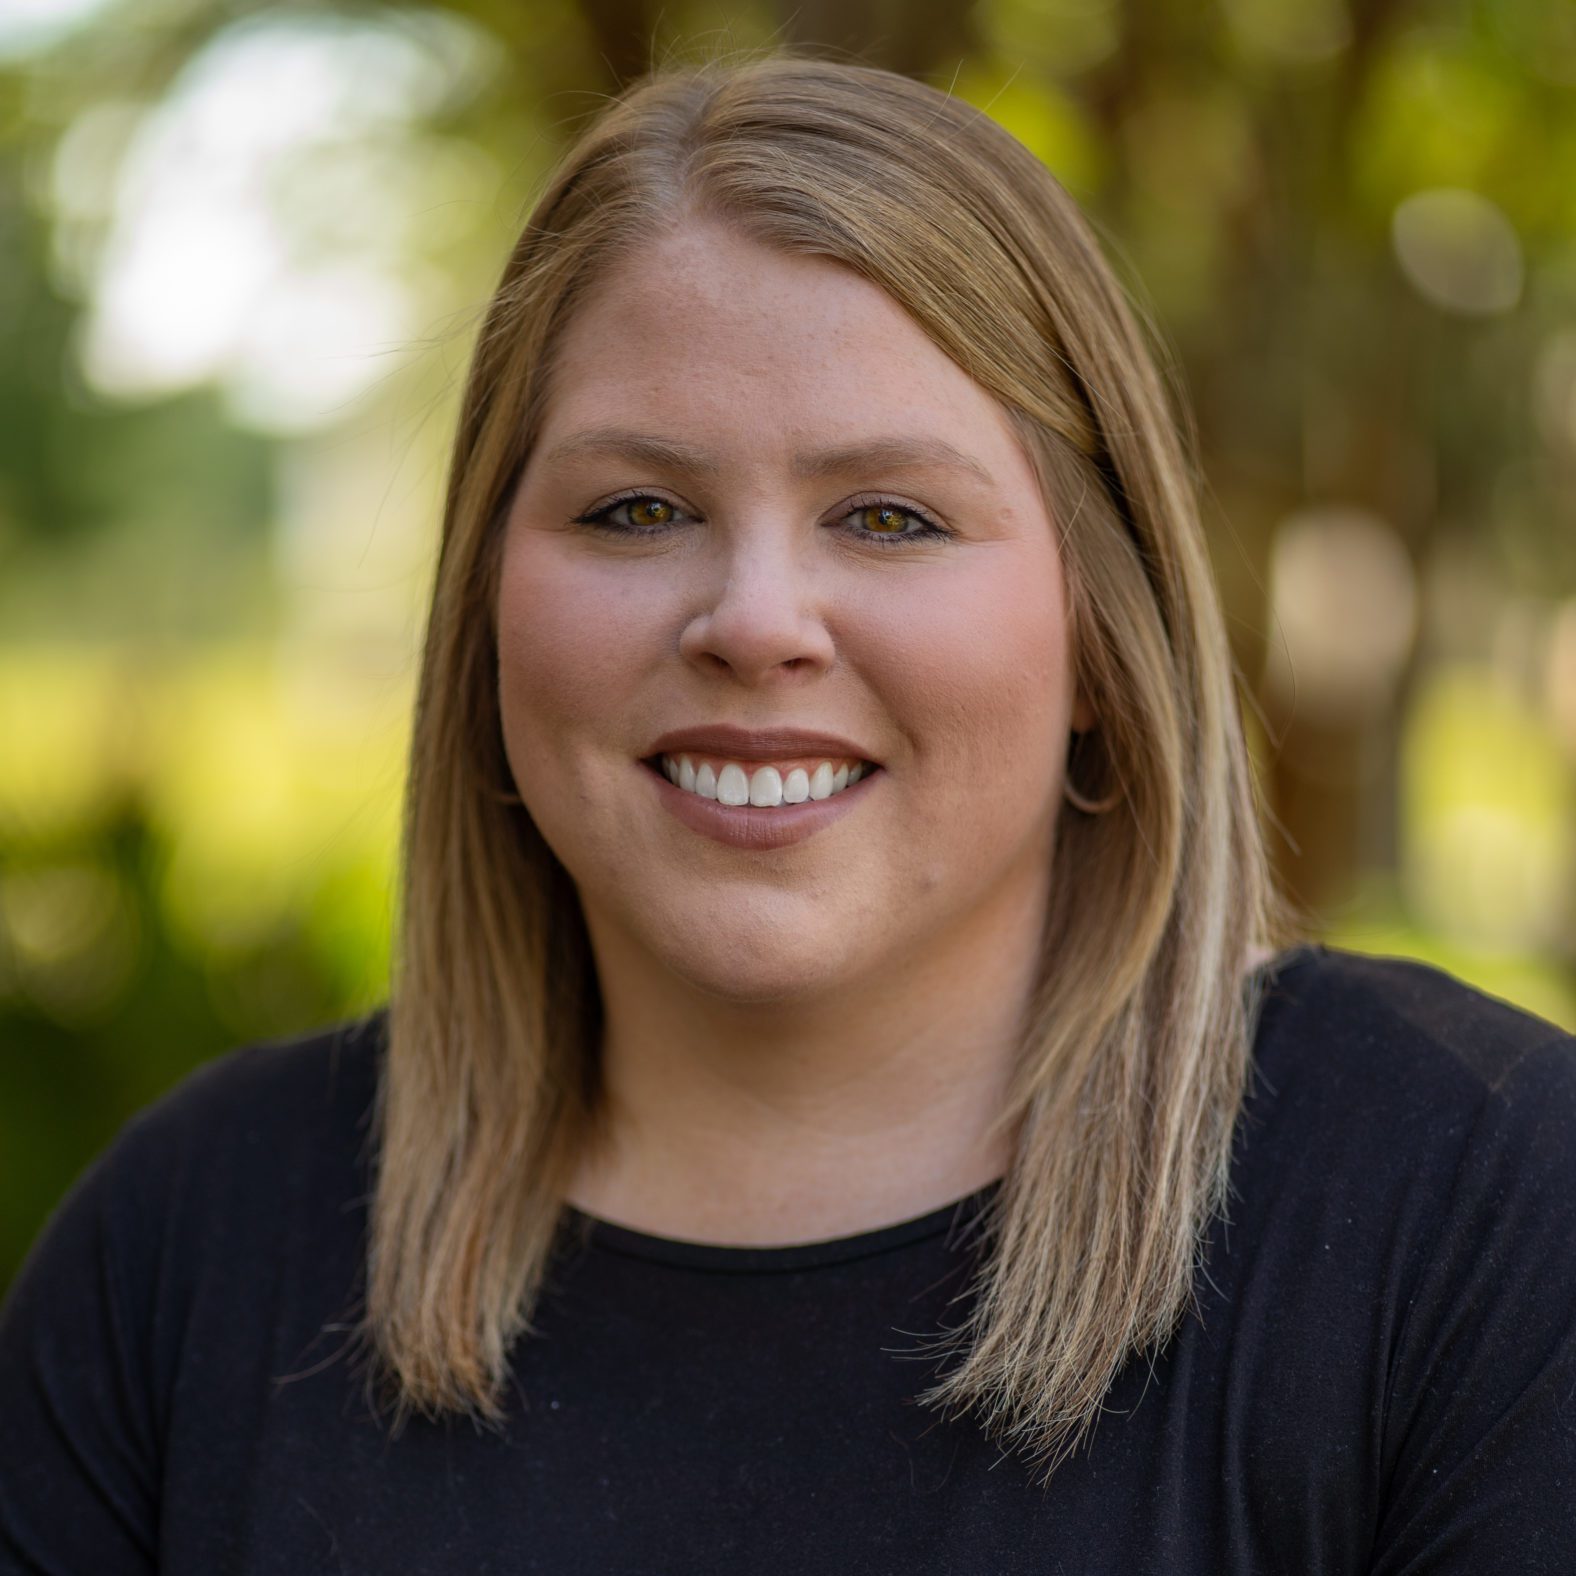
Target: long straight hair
{"points": [[1136, 1040]]}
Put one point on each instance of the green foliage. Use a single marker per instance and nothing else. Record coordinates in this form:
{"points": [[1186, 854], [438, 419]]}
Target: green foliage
{"points": [[1350, 224]]}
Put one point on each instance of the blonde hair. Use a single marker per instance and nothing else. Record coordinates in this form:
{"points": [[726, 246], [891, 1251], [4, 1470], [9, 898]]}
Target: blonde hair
{"points": [[1135, 1051]]}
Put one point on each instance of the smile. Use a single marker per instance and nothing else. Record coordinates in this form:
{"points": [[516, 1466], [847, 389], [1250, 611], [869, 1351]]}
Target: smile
{"points": [[764, 786], [756, 810]]}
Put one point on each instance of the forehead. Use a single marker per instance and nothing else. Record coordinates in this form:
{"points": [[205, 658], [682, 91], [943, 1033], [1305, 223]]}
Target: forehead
{"points": [[721, 282], [707, 328]]}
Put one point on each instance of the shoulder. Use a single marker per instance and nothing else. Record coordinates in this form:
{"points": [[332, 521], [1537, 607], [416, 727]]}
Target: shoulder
{"points": [[259, 1157], [215, 1232], [274, 1094], [1393, 1041], [1423, 1181], [224, 1153], [1393, 1281], [1393, 1106], [1402, 1133]]}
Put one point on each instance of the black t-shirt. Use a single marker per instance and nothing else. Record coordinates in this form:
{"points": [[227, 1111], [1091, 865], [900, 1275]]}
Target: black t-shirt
{"points": [[1381, 1376]]}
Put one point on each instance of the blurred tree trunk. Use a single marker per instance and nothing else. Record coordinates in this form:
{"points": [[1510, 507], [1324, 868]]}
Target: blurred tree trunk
{"points": [[622, 33], [916, 37]]}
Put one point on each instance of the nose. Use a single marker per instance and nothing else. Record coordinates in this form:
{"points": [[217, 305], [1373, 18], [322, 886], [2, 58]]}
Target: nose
{"points": [[758, 613]]}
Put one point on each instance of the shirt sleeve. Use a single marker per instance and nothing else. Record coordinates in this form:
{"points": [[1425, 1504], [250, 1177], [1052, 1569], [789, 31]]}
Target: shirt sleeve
{"points": [[1480, 1426], [79, 1474]]}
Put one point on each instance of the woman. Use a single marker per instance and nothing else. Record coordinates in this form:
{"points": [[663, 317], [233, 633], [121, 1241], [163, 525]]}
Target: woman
{"points": [[841, 1106]]}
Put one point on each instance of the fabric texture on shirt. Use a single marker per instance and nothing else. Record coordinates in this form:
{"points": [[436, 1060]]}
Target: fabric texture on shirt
{"points": [[1380, 1376]]}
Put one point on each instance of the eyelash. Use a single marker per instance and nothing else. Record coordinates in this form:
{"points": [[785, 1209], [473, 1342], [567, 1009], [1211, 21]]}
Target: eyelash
{"points": [[930, 531]]}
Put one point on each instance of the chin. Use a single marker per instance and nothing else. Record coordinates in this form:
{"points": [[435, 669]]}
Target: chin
{"points": [[760, 973]]}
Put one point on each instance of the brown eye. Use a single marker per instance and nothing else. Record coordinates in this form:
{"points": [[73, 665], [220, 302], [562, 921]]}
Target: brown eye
{"points": [[883, 519], [650, 511], [634, 515]]}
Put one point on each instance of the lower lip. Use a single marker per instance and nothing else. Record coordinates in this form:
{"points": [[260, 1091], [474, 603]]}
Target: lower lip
{"points": [[755, 826]]}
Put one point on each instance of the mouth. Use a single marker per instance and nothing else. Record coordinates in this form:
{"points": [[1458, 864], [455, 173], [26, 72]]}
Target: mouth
{"points": [[761, 785], [757, 807]]}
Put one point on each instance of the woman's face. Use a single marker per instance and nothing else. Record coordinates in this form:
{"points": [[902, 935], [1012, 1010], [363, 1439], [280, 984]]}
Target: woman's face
{"points": [[811, 521]]}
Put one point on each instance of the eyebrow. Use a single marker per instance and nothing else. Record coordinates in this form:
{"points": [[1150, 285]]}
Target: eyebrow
{"points": [[813, 465]]}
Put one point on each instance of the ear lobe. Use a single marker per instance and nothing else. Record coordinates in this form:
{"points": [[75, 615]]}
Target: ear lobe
{"points": [[1083, 718]]}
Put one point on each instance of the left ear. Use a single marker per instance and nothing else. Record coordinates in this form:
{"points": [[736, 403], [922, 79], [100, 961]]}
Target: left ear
{"points": [[1083, 714]]}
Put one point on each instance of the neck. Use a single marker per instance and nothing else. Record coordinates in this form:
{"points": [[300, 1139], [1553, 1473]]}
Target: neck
{"points": [[789, 1121]]}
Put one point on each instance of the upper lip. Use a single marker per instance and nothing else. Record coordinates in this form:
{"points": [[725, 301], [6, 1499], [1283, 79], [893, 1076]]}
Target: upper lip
{"points": [[755, 744]]}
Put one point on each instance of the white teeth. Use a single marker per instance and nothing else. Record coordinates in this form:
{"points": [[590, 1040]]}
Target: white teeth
{"points": [[733, 787], [766, 786]]}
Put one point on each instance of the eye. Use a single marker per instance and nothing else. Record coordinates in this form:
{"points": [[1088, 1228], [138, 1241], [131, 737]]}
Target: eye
{"points": [[877, 519], [886, 521], [647, 514]]}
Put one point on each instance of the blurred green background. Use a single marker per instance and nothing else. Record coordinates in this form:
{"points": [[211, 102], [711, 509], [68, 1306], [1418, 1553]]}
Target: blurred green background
{"points": [[246, 247]]}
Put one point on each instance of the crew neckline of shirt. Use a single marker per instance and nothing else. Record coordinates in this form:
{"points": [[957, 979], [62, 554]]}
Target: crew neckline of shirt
{"points": [[606, 1236], [625, 1240]]}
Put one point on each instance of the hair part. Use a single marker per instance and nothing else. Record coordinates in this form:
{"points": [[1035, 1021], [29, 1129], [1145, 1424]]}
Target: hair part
{"points": [[1135, 1045]]}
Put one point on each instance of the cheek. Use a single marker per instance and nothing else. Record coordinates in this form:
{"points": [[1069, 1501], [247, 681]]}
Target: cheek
{"points": [[984, 666], [569, 645], [979, 675]]}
